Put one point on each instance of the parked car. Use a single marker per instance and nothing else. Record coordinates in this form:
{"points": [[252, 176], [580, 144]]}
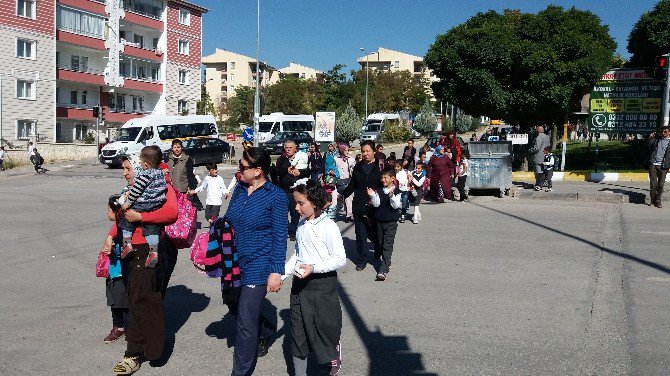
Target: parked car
{"points": [[204, 150], [276, 144], [434, 139]]}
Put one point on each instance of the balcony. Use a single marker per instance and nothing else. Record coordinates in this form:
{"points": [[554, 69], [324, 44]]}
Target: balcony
{"points": [[79, 73], [147, 13], [144, 52], [93, 6]]}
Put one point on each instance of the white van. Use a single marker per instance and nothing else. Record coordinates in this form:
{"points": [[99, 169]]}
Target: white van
{"points": [[374, 126], [269, 125], [157, 130]]}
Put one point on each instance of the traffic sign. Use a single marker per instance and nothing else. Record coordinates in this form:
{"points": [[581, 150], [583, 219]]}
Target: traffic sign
{"points": [[248, 134]]}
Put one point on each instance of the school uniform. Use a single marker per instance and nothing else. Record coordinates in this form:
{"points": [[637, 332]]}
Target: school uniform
{"points": [[216, 188], [387, 213], [548, 169]]}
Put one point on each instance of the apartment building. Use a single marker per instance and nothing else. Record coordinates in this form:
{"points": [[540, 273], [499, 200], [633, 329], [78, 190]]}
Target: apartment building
{"points": [[392, 61], [225, 71], [298, 71], [65, 57]]}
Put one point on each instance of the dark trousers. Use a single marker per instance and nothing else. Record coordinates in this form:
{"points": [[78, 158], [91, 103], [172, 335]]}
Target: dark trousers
{"points": [[365, 228], [212, 212], [167, 260], [547, 175], [386, 237], [656, 182], [119, 317], [145, 333], [461, 187], [293, 214], [251, 325]]}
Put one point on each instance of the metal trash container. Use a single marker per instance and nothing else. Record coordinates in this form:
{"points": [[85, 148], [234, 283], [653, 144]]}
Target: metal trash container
{"points": [[490, 166]]}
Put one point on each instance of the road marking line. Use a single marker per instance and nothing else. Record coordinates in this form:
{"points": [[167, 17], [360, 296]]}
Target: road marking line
{"points": [[664, 233], [659, 279]]}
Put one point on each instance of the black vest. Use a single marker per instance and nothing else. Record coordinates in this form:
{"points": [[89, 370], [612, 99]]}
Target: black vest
{"points": [[385, 213]]}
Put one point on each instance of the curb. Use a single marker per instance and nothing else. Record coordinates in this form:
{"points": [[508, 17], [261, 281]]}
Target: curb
{"points": [[609, 198], [593, 177]]}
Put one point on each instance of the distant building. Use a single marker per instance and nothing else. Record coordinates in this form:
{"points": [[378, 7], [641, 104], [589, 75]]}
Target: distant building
{"points": [[298, 71], [392, 61], [225, 71], [62, 58]]}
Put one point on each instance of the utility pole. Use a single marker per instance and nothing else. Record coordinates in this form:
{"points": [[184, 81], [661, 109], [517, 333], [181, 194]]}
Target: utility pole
{"points": [[257, 94], [367, 79], [666, 108]]}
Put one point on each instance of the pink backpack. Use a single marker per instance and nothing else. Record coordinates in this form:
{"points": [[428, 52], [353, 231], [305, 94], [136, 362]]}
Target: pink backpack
{"points": [[183, 230], [199, 252]]}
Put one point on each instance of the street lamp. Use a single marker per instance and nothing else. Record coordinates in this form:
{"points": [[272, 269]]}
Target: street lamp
{"points": [[367, 79], [256, 95]]}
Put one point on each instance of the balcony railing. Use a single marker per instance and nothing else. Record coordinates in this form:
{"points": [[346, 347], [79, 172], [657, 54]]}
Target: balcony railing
{"points": [[144, 9], [79, 106], [138, 45], [142, 77], [82, 68], [124, 110]]}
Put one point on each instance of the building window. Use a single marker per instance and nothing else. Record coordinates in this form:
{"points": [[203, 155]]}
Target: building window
{"points": [[120, 102], [73, 97], [80, 132], [183, 77], [183, 47], [184, 17], [232, 65], [79, 63], [396, 64], [25, 49], [139, 40], [75, 21], [155, 43], [25, 89], [182, 106], [25, 8], [84, 94], [302, 75], [25, 129], [232, 77], [155, 74]]}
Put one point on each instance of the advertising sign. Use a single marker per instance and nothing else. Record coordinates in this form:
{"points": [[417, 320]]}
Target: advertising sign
{"points": [[631, 105], [325, 127], [518, 138]]}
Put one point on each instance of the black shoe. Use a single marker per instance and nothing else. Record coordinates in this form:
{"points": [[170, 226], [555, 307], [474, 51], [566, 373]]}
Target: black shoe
{"points": [[291, 238], [381, 276], [360, 267], [263, 347]]}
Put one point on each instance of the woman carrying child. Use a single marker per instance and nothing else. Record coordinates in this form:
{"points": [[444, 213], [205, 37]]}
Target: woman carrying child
{"points": [[316, 316]]}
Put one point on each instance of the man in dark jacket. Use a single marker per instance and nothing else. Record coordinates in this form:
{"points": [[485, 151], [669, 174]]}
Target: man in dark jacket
{"points": [[659, 165], [366, 175], [288, 175]]}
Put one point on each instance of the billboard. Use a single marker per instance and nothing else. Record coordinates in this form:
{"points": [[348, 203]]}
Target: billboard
{"points": [[625, 102], [325, 127]]}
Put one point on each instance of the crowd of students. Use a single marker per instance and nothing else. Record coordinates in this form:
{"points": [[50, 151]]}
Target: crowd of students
{"points": [[374, 191]]}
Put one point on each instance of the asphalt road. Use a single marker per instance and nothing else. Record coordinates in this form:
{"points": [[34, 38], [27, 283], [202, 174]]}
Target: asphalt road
{"points": [[489, 287]]}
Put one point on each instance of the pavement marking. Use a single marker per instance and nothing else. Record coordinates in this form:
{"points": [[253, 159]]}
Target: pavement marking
{"points": [[663, 233], [659, 279]]}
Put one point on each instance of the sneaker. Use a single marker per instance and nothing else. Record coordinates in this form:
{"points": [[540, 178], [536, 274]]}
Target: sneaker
{"points": [[263, 347], [538, 188], [415, 221], [659, 205], [549, 190], [115, 334], [336, 363], [360, 267], [381, 276]]}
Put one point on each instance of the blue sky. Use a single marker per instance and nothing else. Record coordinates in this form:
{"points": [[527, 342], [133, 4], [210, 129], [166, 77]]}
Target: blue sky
{"points": [[322, 33]]}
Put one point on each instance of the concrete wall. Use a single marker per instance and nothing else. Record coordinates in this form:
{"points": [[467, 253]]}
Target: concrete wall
{"points": [[176, 91], [55, 152]]}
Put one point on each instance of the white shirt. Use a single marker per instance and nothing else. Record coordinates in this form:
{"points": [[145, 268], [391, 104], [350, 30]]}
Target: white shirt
{"points": [[3, 154], [318, 243], [395, 199], [300, 161], [403, 182], [216, 188], [464, 168], [418, 183]]}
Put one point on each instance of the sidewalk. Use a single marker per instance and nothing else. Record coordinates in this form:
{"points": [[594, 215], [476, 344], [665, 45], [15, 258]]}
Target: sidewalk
{"points": [[607, 192], [56, 166]]}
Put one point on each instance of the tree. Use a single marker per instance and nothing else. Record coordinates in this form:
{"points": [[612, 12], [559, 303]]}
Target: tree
{"points": [[239, 108], [425, 122], [650, 36], [348, 126], [291, 96], [524, 68], [389, 91], [204, 105]]}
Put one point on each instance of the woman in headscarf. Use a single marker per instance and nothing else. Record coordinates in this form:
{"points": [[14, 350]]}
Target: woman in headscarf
{"points": [[345, 166], [180, 166], [440, 173]]}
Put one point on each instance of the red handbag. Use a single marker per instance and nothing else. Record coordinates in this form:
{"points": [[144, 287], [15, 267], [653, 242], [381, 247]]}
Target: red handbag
{"points": [[102, 266]]}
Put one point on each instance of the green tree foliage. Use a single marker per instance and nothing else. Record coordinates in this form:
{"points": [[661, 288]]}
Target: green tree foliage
{"points": [[348, 125], [291, 96], [239, 108], [205, 105], [336, 91], [525, 68], [389, 91], [650, 36], [425, 122], [395, 131], [464, 122]]}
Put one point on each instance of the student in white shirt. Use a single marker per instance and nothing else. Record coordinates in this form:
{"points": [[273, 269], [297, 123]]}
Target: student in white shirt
{"points": [[316, 316], [402, 176], [216, 188]]}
